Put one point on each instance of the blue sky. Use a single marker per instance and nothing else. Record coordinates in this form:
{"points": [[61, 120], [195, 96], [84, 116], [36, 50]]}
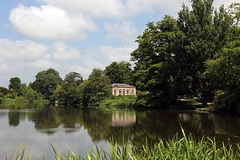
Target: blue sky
{"points": [[73, 35]]}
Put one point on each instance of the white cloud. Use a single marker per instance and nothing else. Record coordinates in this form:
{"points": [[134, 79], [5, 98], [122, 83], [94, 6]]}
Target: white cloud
{"points": [[64, 52], [18, 57], [12, 51], [125, 8], [24, 59], [116, 54], [125, 31], [166, 7], [118, 8], [50, 22], [98, 8], [218, 3], [84, 71], [108, 54], [42, 64]]}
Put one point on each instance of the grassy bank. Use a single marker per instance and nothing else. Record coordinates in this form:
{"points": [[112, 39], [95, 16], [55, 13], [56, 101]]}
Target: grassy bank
{"points": [[118, 102], [22, 103], [174, 149]]}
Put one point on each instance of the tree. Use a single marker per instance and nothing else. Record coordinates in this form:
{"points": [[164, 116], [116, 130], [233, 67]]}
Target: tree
{"points": [[3, 90], [234, 11], [95, 89], [67, 93], [119, 72], [201, 34], [15, 84], [73, 79], [46, 82], [171, 56], [224, 71], [154, 60], [30, 94]]}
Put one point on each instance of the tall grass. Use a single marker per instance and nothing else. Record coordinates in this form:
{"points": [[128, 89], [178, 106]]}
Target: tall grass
{"points": [[120, 102], [185, 148]]}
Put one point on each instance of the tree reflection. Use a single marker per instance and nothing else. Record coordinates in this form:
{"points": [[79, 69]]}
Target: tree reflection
{"points": [[49, 121], [136, 127], [14, 118]]}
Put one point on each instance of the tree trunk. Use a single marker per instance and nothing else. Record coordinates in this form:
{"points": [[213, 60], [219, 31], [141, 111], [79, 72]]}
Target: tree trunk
{"points": [[204, 102]]}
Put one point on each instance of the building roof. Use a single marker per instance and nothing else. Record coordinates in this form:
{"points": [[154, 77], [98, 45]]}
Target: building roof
{"points": [[121, 85]]}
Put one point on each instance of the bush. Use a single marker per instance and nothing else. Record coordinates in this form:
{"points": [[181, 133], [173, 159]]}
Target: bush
{"points": [[119, 102], [225, 101], [19, 101]]}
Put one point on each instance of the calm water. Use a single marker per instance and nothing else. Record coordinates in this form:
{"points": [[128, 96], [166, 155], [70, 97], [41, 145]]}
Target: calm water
{"points": [[78, 130]]}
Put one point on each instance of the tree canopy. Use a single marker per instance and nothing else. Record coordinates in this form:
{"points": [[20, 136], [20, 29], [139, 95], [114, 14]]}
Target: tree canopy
{"points": [[67, 93], [46, 82], [224, 71], [119, 72], [153, 60], [171, 54], [15, 84], [95, 89]]}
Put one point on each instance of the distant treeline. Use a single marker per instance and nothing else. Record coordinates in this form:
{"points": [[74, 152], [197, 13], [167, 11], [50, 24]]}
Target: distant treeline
{"points": [[72, 91]]}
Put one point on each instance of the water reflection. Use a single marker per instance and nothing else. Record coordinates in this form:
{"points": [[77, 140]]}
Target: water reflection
{"points": [[120, 119], [104, 125], [99, 126], [13, 118]]}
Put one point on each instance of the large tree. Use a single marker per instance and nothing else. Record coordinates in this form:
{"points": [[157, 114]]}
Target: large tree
{"points": [[95, 89], [119, 72], [202, 33], [154, 60], [234, 11], [170, 59], [3, 90], [67, 93], [15, 84], [46, 82], [224, 71]]}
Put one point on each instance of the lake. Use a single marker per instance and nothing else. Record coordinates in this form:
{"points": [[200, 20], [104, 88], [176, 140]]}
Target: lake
{"points": [[78, 130]]}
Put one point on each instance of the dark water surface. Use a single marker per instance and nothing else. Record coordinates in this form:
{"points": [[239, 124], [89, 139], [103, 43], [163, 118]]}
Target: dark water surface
{"points": [[78, 130]]}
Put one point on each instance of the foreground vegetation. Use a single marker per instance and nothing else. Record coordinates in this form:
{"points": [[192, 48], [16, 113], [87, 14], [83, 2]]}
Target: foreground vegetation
{"points": [[174, 149]]}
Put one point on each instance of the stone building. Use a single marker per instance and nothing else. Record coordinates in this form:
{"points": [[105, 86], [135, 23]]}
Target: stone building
{"points": [[123, 89]]}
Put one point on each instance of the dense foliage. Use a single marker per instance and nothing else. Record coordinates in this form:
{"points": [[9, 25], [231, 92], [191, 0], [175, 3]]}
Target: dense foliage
{"points": [[15, 84], [67, 93], [119, 72], [153, 61], [46, 82], [121, 102], [170, 60], [224, 71], [95, 89]]}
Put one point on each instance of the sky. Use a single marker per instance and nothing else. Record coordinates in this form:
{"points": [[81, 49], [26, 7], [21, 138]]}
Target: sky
{"points": [[74, 35]]}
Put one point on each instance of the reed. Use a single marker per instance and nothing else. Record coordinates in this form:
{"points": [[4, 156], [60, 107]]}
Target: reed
{"points": [[184, 148]]}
